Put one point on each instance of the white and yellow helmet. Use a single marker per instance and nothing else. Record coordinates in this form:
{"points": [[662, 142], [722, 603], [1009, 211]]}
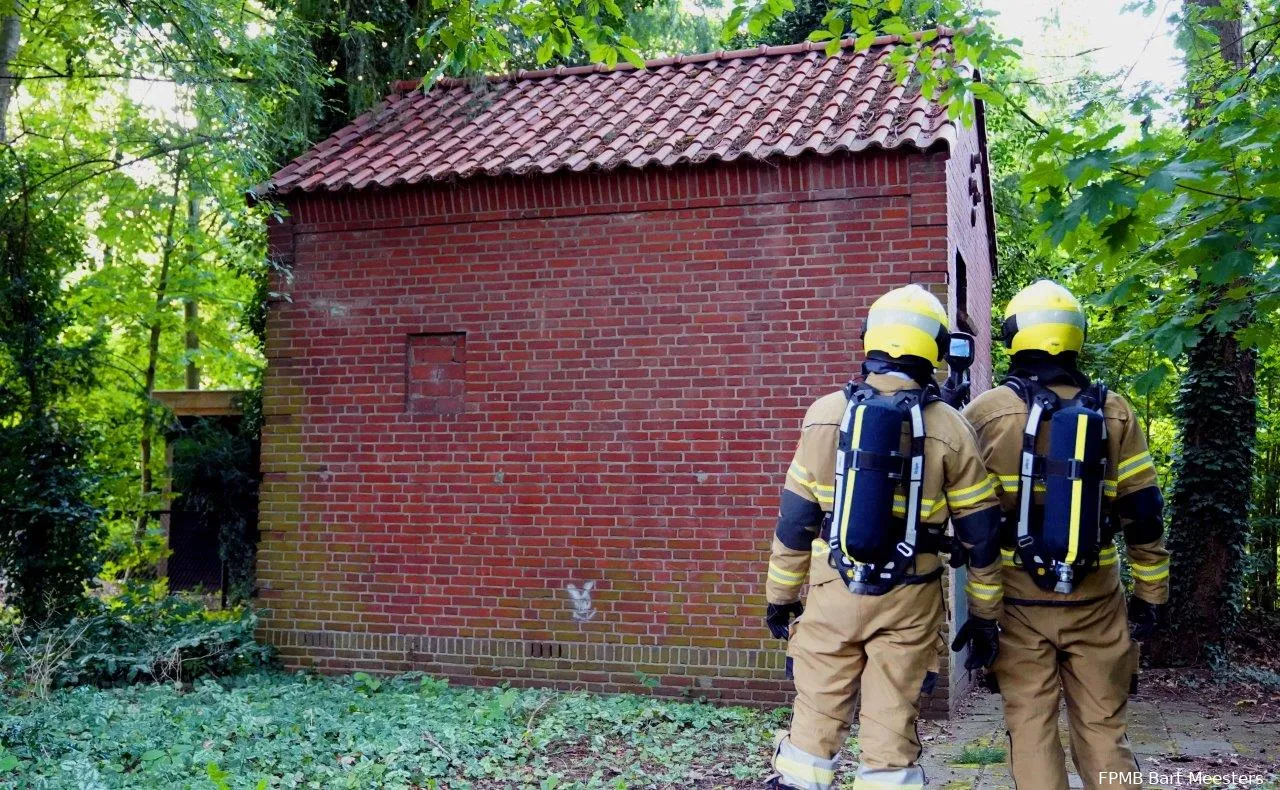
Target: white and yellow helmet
{"points": [[908, 322], [1044, 316]]}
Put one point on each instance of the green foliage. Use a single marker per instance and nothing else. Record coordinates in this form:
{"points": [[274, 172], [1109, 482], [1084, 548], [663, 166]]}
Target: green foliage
{"points": [[153, 119], [1157, 206], [980, 754], [824, 20], [135, 638], [475, 37], [1263, 576], [1172, 222], [278, 730], [48, 528], [945, 74]]}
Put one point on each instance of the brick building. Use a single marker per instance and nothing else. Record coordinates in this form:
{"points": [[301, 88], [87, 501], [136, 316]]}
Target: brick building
{"points": [[538, 369]]}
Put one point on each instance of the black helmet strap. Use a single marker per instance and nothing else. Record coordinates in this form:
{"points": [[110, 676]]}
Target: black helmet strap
{"points": [[920, 370]]}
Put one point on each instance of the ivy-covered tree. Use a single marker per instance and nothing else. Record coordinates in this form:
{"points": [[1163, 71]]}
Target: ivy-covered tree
{"points": [[49, 530]]}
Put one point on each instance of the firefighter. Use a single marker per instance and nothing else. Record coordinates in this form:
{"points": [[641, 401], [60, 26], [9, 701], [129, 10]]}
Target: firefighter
{"points": [[880, 467], [1073, 469]]}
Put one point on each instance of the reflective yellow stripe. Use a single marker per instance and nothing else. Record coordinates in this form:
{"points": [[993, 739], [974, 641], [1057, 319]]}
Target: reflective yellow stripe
{"points": [[927, 506], [799, 474], [1135, 465], [786, 577], [1077, 492], [807, 478], [784, 582], [973, 494], [1140, 459], [824, 494], [848, 479], [984, 592], [1151, 573], [819, 548], [960, 493], [1009, 555], [1009, 484], [1110, 488], [793, 769]]}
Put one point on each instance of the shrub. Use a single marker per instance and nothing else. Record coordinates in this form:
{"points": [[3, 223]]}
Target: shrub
{"points": [[135, 638]]}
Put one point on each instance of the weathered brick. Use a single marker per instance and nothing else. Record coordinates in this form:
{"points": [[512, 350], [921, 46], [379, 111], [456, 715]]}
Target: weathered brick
{"points": [[639, 350]]}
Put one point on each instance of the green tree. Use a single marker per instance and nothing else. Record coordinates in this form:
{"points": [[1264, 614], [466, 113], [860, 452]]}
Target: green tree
{"points": [[154, 118], [1181, 220], [48, 528]]}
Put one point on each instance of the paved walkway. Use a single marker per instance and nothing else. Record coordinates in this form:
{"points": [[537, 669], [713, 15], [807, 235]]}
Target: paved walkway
{"points": [[1168, 738]]}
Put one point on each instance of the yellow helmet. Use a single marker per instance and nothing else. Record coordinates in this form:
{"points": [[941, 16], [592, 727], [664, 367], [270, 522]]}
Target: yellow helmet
{"points": [[907, 321], [1044, 316]]}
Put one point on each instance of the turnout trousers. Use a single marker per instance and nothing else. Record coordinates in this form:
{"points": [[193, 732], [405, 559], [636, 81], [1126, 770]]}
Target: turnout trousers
{"points": [[1084, 651], [882, 645]]}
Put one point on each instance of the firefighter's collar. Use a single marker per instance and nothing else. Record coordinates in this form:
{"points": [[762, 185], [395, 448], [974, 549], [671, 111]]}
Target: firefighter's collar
{"points": [[891, 382]]}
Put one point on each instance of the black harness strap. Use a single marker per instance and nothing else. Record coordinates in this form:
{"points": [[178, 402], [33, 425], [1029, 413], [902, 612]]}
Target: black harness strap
{"points": [[1047, 572], [878, 578]]}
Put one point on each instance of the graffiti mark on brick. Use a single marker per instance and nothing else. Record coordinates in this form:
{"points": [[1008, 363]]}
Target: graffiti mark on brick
{"points": [[581, 598]]}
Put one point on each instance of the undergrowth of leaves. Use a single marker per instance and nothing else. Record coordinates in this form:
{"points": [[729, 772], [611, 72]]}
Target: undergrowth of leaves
{"points": [[270, 730]]}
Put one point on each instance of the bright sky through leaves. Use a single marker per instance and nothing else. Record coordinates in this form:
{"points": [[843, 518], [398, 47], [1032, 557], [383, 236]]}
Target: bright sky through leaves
{"points": [[1130, 43]]}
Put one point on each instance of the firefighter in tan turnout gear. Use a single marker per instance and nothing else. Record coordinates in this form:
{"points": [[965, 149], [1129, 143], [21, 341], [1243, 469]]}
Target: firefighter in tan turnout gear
{"points": [[879, 469], [1073, 469]]}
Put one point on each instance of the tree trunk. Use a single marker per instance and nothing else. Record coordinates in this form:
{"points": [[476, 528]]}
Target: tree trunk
{"points": [[1213, 486], [153, 357], [10, 37], [1213, 483], [190, 309]]}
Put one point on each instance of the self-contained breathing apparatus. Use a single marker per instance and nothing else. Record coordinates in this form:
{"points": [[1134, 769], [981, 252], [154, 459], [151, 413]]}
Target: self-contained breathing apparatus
{"points": [[870, 547], [1058, 543]]}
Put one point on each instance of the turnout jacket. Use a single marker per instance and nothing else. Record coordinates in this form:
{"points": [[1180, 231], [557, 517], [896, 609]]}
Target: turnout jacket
{"points": [[956, 485], [1130, 492]]}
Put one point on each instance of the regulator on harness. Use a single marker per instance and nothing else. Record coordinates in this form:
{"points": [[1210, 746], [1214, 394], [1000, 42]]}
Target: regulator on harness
{"points": [[1059, 543], [870, 547]]}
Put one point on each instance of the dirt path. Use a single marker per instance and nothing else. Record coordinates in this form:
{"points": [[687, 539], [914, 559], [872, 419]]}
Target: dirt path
{"points": [[1176, 728]]}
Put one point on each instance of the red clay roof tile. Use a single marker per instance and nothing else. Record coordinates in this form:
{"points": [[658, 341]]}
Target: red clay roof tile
{"points": [[762, 102]]}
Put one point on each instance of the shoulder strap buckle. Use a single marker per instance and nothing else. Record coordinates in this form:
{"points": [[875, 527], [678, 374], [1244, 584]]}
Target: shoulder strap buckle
{"points": [[1093, 397], [903, 400]]}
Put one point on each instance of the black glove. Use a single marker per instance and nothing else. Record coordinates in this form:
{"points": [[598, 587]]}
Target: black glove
{"points": [[959, 554], [983, 638], [955, 396], [1144, 618], [779, 616]]}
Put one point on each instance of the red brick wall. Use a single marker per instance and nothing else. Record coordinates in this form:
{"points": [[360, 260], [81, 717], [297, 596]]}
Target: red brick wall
{"points": [[639, 350], [968, 242]]}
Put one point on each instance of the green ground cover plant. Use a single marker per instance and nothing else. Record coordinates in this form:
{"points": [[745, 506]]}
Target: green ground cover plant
{"points": [[269, 730], [131, 638]]}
